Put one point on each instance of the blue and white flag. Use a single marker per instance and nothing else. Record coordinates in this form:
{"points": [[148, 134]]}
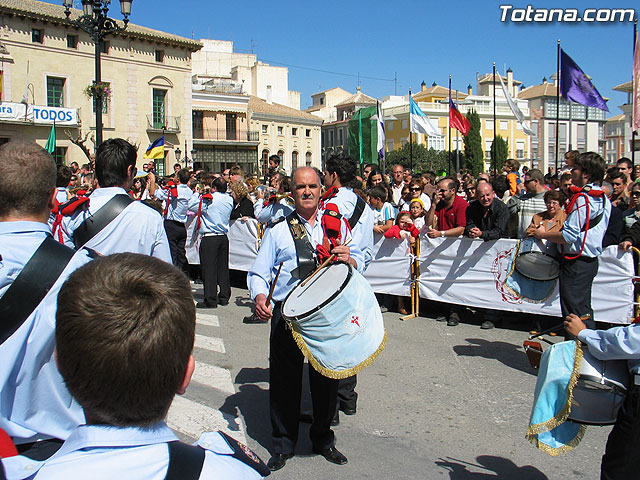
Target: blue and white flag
{"points": [[381, 135], [419, 123]]}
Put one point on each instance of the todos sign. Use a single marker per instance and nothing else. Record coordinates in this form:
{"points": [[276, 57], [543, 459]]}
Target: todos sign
{"points": [[19, 112]]}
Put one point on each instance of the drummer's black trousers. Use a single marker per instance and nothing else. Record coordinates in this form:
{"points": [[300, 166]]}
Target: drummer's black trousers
{"points": [[285, 389], [576, 278], [621, 460]]}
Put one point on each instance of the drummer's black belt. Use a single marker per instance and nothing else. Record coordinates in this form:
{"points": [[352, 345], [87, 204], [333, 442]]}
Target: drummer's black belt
{"points": [[357, 212], [304, 251]]}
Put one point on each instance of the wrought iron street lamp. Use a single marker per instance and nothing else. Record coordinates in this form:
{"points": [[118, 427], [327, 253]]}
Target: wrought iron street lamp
{"points": [[97, 24], [186, 160]]}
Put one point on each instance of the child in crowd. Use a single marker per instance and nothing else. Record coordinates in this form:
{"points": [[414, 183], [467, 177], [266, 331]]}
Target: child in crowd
{"points": [[416, 209], [125, 329], [404, 228], [383, 212], [514, 182]]}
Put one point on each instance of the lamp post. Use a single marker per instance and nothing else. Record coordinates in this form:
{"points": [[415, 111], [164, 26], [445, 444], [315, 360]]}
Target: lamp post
{"points": [[186, 158], [95, 22]]}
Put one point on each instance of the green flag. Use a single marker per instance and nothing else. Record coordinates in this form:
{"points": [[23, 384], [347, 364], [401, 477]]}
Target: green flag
{"points": [[363, 136], [51, 143]]}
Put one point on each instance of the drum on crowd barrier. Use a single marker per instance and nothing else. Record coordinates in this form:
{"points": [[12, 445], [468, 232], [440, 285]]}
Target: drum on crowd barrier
{"points": [[536, 260], [336, 321], [600, 391]]}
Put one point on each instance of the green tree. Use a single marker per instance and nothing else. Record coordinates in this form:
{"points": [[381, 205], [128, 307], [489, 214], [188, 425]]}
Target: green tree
{"points": [[473, 152], [423, 158], [499, 153]]}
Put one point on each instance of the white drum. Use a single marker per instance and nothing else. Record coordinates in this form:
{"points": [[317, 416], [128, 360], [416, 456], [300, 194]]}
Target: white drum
{"points": [[536, 260], [600, 391], [336, 321]]}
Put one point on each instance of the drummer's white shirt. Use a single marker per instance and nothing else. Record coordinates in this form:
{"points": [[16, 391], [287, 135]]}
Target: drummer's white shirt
{"points": [[278, 246]]}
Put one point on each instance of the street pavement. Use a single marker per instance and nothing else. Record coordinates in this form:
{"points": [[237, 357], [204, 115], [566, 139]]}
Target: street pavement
{"points": [[440, 402]]}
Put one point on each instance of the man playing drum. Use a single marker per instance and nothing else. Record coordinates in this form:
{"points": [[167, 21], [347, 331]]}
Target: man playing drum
{"points": [[293, 242], [621, 459]]}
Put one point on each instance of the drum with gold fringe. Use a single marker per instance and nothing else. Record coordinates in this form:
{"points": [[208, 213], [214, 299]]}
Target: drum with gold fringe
{"points": [[336, 321]]}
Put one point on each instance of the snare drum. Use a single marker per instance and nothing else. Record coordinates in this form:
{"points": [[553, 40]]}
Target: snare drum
{"points": [[336, 321], [600, 391], [536, 260]]}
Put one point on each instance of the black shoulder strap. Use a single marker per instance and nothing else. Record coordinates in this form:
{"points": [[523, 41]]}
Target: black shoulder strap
{"points": [[246, 455], [596, 220], [185, 461], [304, 249], [31, 285], [357, 212], [103, 217]]}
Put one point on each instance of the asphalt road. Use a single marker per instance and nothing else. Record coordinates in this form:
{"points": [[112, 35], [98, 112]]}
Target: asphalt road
{"points": [[440, 402]]}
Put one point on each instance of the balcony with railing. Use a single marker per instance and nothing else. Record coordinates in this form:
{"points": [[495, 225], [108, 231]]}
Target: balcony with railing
{"points": [[159, 123], [221, 134]]}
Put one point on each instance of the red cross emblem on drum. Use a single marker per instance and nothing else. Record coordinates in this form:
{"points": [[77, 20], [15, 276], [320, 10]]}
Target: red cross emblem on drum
{"points": [[354, 319], [355, 322]]}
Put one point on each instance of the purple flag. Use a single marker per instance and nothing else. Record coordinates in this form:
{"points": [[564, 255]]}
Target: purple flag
{"points": [[576, 87]]}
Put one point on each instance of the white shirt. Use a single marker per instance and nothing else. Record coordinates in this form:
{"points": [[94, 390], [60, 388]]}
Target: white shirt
{"points": [[215, 214], [177, 210], [102, 452], [138, 228]]}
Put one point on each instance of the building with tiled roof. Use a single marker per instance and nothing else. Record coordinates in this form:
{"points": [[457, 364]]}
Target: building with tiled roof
{"points": [[293, 135], [627, 109], [324, 103], [49, 64]]}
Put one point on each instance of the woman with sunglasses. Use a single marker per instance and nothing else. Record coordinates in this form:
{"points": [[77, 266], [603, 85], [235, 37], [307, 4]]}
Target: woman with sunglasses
{"points": [[416, 189]]}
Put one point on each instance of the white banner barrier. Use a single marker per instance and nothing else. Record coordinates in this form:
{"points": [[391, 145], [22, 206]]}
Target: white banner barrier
{"points": [[462, 271], [471, 273]]}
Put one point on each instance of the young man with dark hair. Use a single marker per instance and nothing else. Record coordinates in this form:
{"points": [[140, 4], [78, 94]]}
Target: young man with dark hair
{"points": [[126, 377], [132, 228], [581, 243], [214, 214], [625, 166], [35, 405]]}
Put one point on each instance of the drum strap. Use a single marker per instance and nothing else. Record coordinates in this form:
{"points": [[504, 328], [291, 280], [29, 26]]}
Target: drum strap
{"points": [[103, 217], [305, 252], [357, 212]]}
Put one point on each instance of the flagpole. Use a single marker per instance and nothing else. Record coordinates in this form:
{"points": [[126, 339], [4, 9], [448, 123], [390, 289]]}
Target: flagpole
{"points": [[457, 144], [449, 133], [633, 97], [558, 106], [570, 122], [493, 160], [410, 137]]}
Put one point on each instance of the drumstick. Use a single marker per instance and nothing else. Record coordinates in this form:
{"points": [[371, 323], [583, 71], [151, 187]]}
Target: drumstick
{"points": [[273, 285], [324, 264], [555, 328]]}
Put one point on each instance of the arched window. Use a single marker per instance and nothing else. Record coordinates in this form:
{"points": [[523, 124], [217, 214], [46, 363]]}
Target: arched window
{"points": [[281, 155], [294, 161], [265, 161]]}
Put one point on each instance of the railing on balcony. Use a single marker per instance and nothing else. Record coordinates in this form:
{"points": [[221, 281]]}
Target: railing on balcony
{"points": [[226, 135], [166, 123]]}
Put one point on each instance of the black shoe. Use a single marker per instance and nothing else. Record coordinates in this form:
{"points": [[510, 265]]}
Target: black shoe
{"points": [[223, 303], [332, 455], [205, 305], [253, 319], [441, 318], [347, 410], [487, 325], [197, 281], [454, 320], [335, 421], [278, 460]]}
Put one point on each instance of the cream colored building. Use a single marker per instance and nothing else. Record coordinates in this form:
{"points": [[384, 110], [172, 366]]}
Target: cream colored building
{"points": [[289, 133], [148, 71], [324, 103], [218, 63]]}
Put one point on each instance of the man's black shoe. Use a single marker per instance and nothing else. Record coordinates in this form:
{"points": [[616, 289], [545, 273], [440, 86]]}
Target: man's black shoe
{"points": [[205, 305], [332, 455], [223, 303], [253, 319], [347, 410], [335, 421], [278, 460]]}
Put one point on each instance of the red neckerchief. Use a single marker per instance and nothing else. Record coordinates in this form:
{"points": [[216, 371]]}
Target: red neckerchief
{"points": [[329, 194], [66, 209], [208, 196], [172, 191], [271, 199], [586, 192]]}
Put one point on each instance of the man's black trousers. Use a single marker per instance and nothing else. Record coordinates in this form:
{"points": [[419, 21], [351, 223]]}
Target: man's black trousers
{"points": [[285, 389], [177, 236], [214, 261], [576, 278]]}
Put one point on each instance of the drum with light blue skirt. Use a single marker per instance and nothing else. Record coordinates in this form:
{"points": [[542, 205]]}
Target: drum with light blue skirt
{"points": [[336, 321]]}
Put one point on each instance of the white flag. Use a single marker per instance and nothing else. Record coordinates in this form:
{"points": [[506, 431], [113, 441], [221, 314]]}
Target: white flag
{"points": [[381, 135], [419, 123], [514, 108]]}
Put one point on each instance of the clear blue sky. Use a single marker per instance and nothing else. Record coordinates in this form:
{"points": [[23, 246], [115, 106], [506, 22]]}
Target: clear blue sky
{"points": [[418, 40]]}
